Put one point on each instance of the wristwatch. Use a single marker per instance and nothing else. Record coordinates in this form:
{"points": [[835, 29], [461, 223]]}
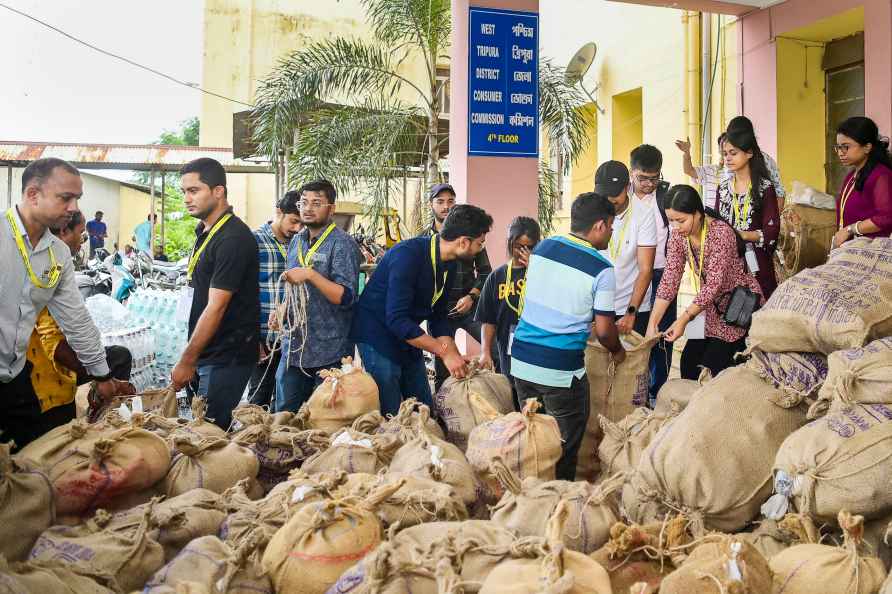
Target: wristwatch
{"points": [[631, 310]]}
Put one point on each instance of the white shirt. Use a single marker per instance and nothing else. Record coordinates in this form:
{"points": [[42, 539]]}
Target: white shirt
{"points": [[632, 229], [662, 231], [710, 176]]}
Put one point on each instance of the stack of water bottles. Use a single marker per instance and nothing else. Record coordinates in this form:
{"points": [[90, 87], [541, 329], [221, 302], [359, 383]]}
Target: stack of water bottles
{"points": [[119, 327], [156, 308]]}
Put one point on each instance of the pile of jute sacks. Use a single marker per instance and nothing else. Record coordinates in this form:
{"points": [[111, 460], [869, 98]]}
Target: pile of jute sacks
{"points": [[771, 478]]}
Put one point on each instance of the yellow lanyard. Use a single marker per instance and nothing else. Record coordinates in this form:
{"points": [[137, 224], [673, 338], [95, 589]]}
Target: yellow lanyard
{"points": [[508, 287], [193, 261], [740, 219], [697, 273], [578, 241], [281, 249], [437, 292], [844, 198], [55, 272], [307, 262], [617, 248]]}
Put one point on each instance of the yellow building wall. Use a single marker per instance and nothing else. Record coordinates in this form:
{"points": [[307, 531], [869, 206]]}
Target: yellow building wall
{"points": [[134, 208], [244, 40], [628, 124]]}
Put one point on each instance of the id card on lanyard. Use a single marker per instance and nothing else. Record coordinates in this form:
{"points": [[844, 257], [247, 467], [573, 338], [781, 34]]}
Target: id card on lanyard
{"points": [[696, 328]]}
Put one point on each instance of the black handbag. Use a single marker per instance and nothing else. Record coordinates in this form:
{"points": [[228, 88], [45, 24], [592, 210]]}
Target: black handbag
{"points": [[741, 304]]}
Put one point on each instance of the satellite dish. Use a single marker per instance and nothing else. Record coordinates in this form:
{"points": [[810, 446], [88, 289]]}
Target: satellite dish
{"points": [[580, 63], [578, 67]]}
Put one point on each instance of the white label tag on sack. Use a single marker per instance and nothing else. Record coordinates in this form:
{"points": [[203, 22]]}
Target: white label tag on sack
{"points": [[437, 456], [696, 328], [751, 262], [124, 412], [345, 440], [136, 403], [184, 305], [300, 493]]}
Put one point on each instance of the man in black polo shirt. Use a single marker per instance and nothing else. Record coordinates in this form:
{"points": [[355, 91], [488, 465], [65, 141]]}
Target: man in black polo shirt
{"points": [[222, 302]]}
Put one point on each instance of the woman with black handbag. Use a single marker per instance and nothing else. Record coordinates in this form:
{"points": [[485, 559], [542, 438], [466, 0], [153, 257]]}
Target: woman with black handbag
{"points": [[716, 322]]}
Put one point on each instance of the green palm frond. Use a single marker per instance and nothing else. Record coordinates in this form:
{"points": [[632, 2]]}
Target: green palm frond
{"points": [[560, 113], [424, 24], [549, 197]]}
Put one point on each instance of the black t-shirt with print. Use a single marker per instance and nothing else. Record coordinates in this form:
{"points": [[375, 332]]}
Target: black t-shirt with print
{"points": [[496, 302], [229, 262]]}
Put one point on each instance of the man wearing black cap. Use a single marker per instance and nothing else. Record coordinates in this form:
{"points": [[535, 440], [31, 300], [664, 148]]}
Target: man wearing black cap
{"points": [[469, 278], [631, 249]]}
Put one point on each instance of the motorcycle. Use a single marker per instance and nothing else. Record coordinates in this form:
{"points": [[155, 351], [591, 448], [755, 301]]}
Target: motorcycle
{"points": [[168, 275], [94, 278]]}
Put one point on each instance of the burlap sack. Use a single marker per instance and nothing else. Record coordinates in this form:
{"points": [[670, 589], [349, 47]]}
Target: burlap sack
{"points": [[199, 426], [720, 565], [214, 464], [346, 394], [797, 376], [125, 558], [353, 452], [404, 425], [90, 466], [626, 572], [279, 449], [162, 402], [407, 560], [27, 506], [842, 304], [527, 442], [614, 391], [887, 585], [636, 553], [773, 536], [676, 393], [419, 500], [429, 457], [50, 578], [822, 569], [862, 375], [878, 539], [714, 460], [840, 461], [311, 551], [453, 406], [805, 239], [624, 442], [546, 566], [215, 567]]}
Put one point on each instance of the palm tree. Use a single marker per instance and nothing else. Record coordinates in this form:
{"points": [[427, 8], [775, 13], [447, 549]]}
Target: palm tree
{"points": [[392, 122]]}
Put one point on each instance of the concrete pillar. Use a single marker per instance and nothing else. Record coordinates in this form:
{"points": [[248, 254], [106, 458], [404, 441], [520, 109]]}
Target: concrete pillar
{"points": [[503, 186]]}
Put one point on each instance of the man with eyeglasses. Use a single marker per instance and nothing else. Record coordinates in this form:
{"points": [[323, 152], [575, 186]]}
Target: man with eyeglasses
{"points": [[325, 260], [648, 189]]}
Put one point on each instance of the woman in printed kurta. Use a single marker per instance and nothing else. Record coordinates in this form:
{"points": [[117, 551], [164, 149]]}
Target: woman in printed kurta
{"points": [[710, 248], [864, 204]]}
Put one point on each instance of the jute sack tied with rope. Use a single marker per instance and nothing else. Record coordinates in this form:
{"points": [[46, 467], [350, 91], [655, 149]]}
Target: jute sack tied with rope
{"points": [[322, 540], [797, 376], [527, 442], [841, 461], [623, 442], [346, 394], [452, 403], [773, 536], [216, 567], [805, 239], [212, 463], [419, 500], [877, 538], [27, 506], [676, 393], [614, 391], [199, 426], [861, 375], [714, 460], [842, 304], [526, 507], [404, 425], [127, 558], [823, 569], [55, 578], [353, 452], [546, 565], [92, 465], [722, 564], [162, 402]]}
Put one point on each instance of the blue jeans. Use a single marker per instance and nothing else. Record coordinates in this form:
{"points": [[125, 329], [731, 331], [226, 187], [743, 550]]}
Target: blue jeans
{"points": [[222, 386], [396, 382], [661, 355], [295, 385]]}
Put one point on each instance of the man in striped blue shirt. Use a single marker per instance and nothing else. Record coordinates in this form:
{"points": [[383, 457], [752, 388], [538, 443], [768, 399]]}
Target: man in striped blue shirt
{"points": [[569, 284]]}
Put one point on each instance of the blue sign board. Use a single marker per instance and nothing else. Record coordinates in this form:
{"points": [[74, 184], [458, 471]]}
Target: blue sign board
{"points": [[503, 83]]}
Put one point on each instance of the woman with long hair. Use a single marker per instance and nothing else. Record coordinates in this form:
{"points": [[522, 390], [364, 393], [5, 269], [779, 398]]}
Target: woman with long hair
{"points": [[748, 201], [713, 253], [864, 204]]}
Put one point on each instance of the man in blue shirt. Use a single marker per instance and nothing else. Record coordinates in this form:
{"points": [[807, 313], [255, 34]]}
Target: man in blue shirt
{"points": [[325, 260], [142, 235], [568, 284], [97, 231], [409, 286]]}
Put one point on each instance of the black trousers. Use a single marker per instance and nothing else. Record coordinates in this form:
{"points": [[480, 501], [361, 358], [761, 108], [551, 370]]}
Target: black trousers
{"points": [[262, 385], [570, 407], [712, 353], [21, 420]]}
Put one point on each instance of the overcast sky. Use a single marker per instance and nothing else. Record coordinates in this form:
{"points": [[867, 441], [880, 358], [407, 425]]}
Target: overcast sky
{"points": [[54, 89]]}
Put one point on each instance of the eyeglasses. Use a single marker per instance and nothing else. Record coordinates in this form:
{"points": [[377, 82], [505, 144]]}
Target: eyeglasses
{"points": [[842, 148], [645, 179], [312, 204]]}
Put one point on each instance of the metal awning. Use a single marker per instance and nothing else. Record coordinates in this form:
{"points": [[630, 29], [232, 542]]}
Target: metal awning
{"points": [[731, 7], [132, 157]]}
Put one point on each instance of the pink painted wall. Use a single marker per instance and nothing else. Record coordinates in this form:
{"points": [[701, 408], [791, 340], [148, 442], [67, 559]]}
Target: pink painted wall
{"points": [[757, 69], [504, 187]]}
